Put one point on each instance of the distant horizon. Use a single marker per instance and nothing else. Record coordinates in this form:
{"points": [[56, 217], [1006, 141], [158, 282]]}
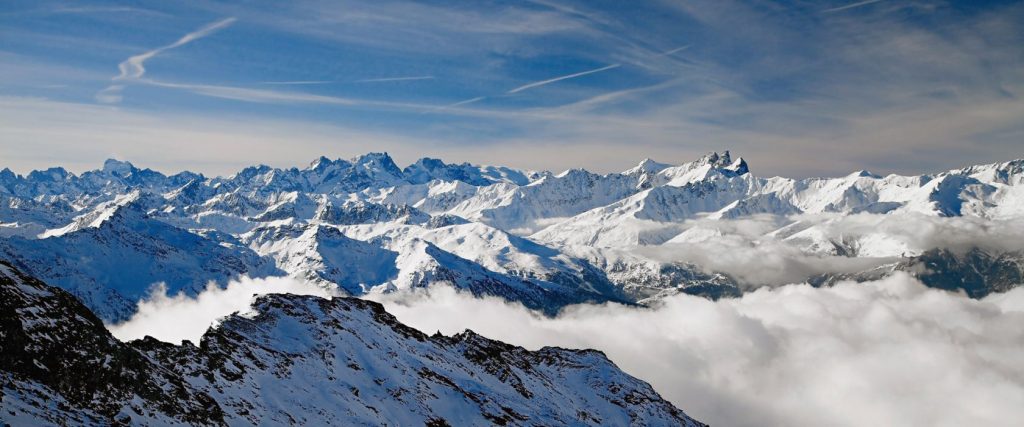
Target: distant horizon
{"points": [[403, 164]]}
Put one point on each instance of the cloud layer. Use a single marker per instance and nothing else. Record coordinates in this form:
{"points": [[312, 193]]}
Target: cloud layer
{"points": [[750, 251], [890, 352]]}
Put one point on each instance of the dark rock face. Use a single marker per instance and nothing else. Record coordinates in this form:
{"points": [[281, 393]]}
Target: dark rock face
{"points": [[366, 213], [976, 272], [642, 282], [52, 342], [299, 360]]}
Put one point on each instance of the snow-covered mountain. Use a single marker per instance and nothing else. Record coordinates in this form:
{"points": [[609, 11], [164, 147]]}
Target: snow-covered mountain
{"points": [[365, 225], [112, 260], [296, 360]]}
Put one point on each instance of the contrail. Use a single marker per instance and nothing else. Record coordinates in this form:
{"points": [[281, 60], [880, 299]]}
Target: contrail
{"points": [[378, 80], [457, 104], [132, 68], [395, 79], [557, 79], [671, 51], [468, 101], [850, 6]]}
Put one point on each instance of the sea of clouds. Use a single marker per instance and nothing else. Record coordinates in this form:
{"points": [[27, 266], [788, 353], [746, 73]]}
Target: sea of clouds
{"points": [[888, 352], [754, 252]]}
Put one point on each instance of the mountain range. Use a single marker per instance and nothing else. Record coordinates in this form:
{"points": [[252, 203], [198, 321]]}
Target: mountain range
{"points": [[545, 240]]}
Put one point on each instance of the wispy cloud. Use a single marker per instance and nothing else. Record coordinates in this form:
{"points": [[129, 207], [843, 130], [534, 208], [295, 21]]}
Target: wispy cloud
{"points": [[253, 95], [850, 6], [300, 82], [618, 95], [675, 50], [69, 10], [394, 79], [100, 9], [269, 96], [466, 101], [134, 68], [372, 80], [560, 78], [111, 94]]}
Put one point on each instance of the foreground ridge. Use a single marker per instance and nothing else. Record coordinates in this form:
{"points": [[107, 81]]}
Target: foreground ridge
{"points": [[297, 360]]}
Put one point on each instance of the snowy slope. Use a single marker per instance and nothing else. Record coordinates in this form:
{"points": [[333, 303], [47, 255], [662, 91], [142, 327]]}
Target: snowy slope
{"points": [[297, 360], [322, 254], [112, 262]]}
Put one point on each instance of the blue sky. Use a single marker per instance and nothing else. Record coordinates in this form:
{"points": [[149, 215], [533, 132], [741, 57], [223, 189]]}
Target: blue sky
{"points": [[798, 88]]}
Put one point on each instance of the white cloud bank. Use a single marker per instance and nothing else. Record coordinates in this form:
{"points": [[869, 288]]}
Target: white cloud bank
{"points": [[181, 317], [753, 252], [890, 352]]}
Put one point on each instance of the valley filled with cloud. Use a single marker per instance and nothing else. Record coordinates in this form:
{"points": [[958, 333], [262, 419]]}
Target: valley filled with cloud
{"points": [[880, 352]]}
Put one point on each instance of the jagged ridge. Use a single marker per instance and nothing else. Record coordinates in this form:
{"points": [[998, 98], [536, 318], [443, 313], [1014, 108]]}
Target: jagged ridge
{"points": [[302, 360]]}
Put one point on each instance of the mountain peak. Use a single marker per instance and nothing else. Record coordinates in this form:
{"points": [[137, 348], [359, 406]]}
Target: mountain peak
{"points": [[428, 169], [716, 159], [326, 168], [431, 163], [378, 163], [646, 165], [319, 162], [863, 174], [51, 174], [382, 157], [117, 167], [739, 166], [574, 173], [7, 175]]}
